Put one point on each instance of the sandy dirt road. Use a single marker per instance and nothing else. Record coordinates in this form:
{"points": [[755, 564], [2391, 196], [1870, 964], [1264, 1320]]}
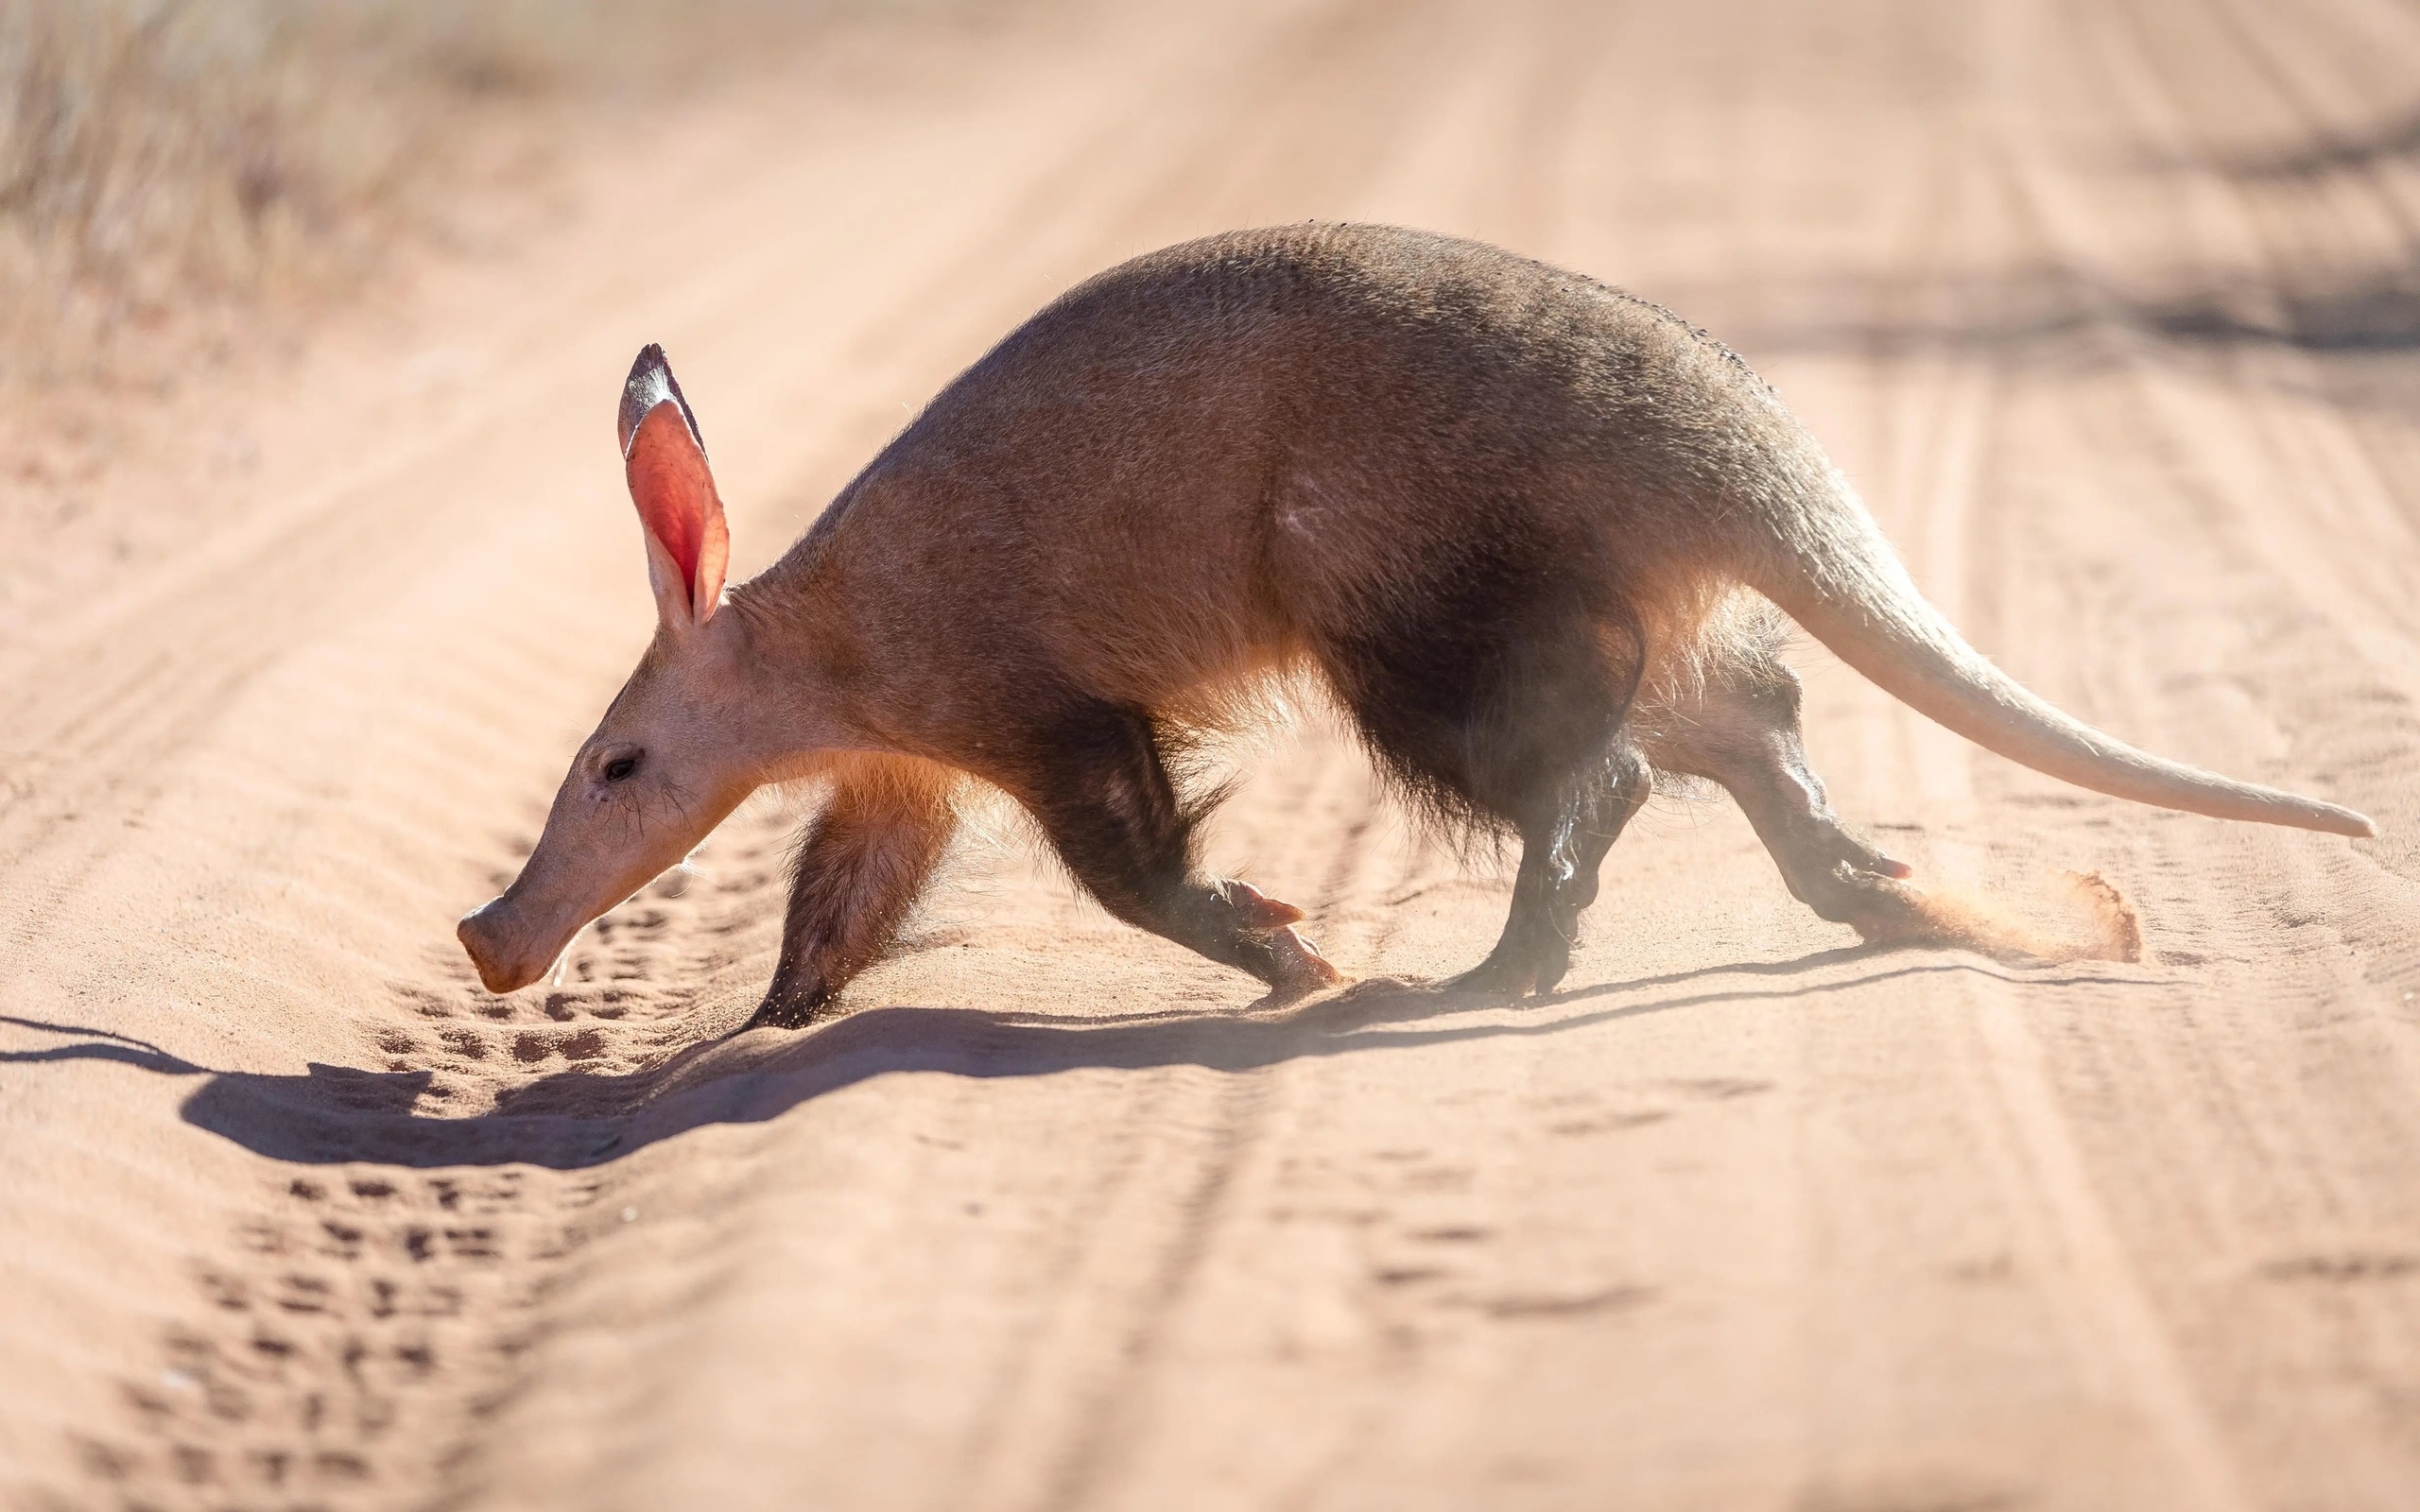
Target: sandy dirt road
{"points": [[2113, 310]]}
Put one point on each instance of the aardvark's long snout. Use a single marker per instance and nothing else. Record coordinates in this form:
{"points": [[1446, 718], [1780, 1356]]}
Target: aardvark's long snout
{"points": [[507, 953]]}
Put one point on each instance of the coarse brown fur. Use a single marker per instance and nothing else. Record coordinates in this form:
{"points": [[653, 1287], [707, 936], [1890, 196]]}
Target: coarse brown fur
{"points": [[1528, 530]]}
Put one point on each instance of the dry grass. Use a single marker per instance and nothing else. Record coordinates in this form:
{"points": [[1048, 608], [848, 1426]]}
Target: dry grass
{"points": [[160, 158]]}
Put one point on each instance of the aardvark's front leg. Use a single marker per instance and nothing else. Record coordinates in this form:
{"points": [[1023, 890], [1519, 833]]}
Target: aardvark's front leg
{"points": [[859, 868]]}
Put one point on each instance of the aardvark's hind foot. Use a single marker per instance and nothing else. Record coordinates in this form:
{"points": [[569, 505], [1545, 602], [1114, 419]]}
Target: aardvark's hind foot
{"points": [[1889, 912], [789, 1007], [1896, 913], [1496, 976]]}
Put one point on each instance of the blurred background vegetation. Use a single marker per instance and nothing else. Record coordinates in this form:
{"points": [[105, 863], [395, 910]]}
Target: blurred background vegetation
{"points": [[162, 159]]}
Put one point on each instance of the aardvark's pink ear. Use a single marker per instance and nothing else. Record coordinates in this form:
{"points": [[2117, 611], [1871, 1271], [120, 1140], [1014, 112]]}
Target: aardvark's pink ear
{"points": [[688, 544]]}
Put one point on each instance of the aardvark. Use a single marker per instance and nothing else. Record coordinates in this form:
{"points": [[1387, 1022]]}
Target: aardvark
{"points": [[1531, 532]]}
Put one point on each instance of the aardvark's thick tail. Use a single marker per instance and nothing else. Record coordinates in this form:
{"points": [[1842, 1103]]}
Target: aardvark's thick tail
{"points": [[1836, 576]]}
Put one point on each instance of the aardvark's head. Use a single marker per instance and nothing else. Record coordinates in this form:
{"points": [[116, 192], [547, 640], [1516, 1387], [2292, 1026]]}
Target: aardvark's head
{"points": [[671, 758]]}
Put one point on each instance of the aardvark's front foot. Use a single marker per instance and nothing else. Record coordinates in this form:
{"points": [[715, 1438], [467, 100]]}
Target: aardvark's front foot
{"points": [[1296, 966], [1291, 965]]}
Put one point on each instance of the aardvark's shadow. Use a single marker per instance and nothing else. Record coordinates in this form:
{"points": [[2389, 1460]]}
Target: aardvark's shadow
{"points": [[337, 1113]]}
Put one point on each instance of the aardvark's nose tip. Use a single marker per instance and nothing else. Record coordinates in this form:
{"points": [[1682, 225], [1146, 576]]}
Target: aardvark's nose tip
{"points": [[498, 971]]}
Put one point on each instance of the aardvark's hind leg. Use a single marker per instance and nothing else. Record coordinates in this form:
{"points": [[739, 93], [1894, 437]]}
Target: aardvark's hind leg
{"points": [[1741, 730], [1100, 788], [1516, 715], [1562, 848], [859, 867]]}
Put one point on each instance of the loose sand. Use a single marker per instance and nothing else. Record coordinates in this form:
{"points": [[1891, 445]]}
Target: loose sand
{"points": [[2108, 306]]}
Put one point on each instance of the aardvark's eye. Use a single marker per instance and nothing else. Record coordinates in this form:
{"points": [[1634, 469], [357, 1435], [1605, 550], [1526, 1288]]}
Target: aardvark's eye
{"points": [[620, 768]]}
